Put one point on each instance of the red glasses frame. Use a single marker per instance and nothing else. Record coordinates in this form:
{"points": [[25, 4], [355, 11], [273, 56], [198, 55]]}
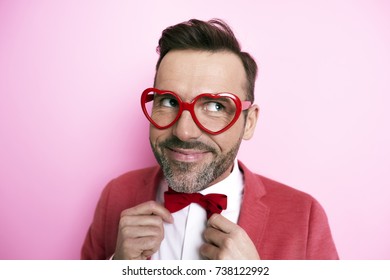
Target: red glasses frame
{"points": [[189, 106]]}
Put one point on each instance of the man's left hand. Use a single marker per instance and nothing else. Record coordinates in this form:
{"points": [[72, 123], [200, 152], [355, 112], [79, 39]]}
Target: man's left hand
{"points": [[227, 241]]}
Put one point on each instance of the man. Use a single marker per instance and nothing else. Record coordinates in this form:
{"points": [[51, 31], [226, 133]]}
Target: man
{"points": [[200, 108]]}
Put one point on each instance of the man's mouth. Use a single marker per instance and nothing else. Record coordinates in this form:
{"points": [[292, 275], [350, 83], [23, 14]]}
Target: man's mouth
{"points": [[186, 155]]}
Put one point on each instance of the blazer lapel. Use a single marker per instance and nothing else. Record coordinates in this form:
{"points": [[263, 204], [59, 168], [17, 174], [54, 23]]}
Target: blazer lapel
{"points": [[151, 183], [254, 214]]}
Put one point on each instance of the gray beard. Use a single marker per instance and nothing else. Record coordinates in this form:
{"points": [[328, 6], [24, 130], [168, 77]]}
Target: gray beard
{"points": [[188, 177]]}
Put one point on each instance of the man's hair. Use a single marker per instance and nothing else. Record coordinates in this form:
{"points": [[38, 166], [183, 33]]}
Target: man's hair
{"points": [[214, 35]]}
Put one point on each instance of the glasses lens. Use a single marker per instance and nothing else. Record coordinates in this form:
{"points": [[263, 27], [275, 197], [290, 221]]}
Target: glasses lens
{"points": [[162, 108], [215, 113]]}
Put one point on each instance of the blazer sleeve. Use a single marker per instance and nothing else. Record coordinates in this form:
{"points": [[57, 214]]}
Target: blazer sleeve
{"points": [[94, 243], [320, 245]]}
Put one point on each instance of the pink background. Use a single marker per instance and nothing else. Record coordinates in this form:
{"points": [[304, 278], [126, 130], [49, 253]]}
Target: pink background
{"points": [[71, 73]]}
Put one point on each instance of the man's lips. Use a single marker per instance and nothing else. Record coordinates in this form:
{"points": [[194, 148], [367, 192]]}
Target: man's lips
{"points": [[187, 155]]}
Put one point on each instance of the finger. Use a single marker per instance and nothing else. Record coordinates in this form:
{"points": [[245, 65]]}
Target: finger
{"points": [[148, 253], [139, 248], [133, 241], [214, 236], [144, 220], [149, 208], [144, 231], [209, 251], [219, 222]]}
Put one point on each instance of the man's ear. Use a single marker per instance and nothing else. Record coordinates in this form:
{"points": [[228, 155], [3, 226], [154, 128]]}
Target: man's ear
{"points": [[251, 120]]}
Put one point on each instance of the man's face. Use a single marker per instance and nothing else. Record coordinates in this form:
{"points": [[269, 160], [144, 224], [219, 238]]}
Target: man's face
{"points": [[191, 159]]}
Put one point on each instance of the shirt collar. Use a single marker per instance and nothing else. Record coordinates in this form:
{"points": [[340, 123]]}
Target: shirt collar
{"points": [[231, 186]]}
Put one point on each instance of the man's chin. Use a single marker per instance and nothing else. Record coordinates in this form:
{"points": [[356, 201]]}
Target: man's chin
{"points": [[188, 177], [189, 187]]}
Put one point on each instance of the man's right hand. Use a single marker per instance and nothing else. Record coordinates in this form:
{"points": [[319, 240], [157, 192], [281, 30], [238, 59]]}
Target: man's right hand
{"points": [[141, 231]]}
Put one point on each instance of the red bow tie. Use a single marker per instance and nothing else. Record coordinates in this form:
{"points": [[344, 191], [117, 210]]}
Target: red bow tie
{"points": [[212, 203]]}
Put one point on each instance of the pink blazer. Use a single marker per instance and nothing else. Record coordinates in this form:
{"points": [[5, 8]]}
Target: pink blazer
{"points": [[282, 222]]}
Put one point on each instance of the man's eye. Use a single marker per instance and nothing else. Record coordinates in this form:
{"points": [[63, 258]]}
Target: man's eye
{"points": [[169, 102], [213, 107]]}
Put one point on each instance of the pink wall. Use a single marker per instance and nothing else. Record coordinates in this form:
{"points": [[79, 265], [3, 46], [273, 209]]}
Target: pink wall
{"points": [[71, 73]]}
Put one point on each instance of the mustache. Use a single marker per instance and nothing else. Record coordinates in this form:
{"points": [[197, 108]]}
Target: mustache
{"points": [[174, 142]]}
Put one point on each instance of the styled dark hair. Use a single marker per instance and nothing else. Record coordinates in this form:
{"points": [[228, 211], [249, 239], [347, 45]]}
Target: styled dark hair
{"points": [[214, 35]]}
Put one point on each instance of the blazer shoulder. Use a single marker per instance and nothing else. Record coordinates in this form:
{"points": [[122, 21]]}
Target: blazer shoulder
{"points": [[296, 225], [134, 186], [271, 191], [273, 187], [278, 195]]}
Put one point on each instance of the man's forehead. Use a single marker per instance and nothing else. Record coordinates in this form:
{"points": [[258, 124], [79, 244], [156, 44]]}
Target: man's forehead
{"points": [[200, 59], [201, 71]]}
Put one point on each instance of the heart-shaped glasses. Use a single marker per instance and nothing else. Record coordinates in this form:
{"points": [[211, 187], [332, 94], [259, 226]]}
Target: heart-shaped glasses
{"points": [[213, 113]]}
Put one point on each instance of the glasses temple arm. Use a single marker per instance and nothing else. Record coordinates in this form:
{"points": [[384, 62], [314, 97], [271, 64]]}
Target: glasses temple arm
{"points": [[245, 105]]}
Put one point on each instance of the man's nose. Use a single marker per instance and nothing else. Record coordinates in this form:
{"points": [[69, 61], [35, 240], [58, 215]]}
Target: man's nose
{"points": [[185, 128]]}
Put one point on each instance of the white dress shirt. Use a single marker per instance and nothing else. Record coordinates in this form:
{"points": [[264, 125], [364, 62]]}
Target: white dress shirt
{"points": [[183, 238]]}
